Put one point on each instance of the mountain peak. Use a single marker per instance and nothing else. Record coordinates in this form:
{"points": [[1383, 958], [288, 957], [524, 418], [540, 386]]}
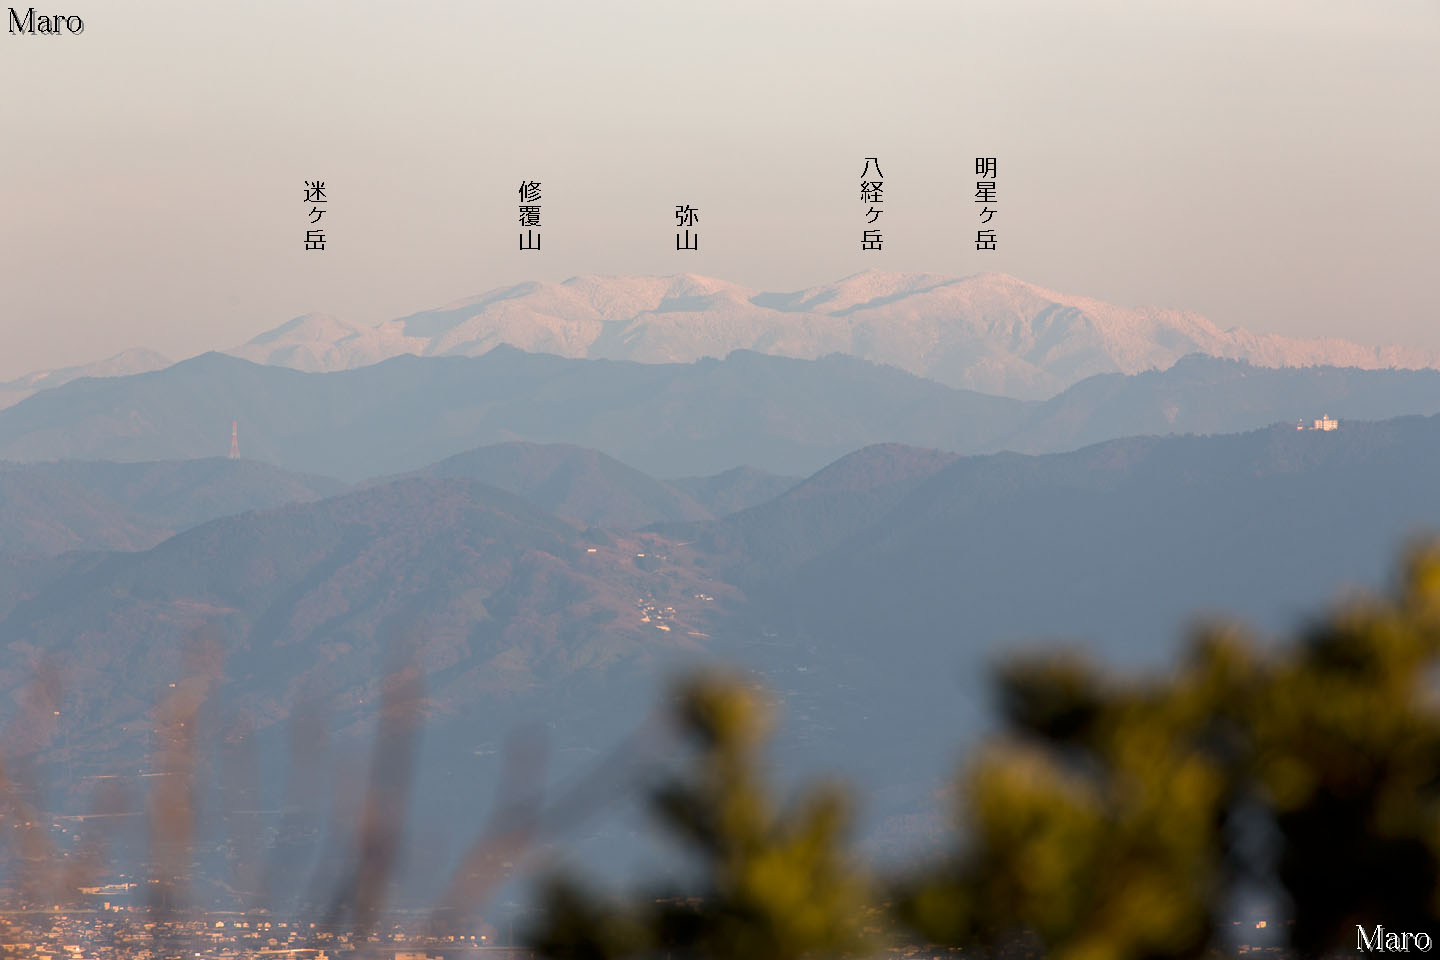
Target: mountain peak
{"points": [[124, 363], [307, 327], [990, 332]]}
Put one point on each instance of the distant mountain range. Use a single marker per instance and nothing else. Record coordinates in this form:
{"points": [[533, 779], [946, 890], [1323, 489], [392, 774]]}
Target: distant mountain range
{"points": [[573, 482], [988, 332], [783, 416], [991, 333], [1119, 549], [122, 364], [52, 508], [872, 595], [467, 566], [546, 537]]}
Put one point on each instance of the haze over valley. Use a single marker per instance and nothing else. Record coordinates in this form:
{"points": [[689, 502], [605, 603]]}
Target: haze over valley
{"points": [[546, 526]]}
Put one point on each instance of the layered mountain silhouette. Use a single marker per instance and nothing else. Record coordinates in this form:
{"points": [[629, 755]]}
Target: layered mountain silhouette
{"points": [[784, 416], [52, 508], [777, 414], [122, 364], [586, 485], [574, 483], [551, 496], [40, 515], [509, 611], [874, 595], [755, 545], [987, 332], [1117, 542], [735, 489]]}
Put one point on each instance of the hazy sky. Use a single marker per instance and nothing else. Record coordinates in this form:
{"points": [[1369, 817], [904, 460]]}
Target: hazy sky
{"points": [[1269, 163]]}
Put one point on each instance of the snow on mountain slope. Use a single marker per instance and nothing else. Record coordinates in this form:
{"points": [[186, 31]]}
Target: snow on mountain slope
{"points": [[122, 364], [987, 332], [318, 342]]}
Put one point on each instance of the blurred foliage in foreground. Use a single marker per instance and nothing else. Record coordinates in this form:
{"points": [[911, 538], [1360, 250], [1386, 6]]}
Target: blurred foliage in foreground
{"points": [[778, 883], [1113, 818]]}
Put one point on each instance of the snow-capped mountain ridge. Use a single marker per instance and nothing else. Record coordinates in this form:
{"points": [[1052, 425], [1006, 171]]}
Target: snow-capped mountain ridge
{"points": [[126, 362], [988, 332]]}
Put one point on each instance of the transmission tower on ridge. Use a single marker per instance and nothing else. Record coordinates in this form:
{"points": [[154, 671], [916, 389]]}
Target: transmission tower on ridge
{"points": [[234, 439]]}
